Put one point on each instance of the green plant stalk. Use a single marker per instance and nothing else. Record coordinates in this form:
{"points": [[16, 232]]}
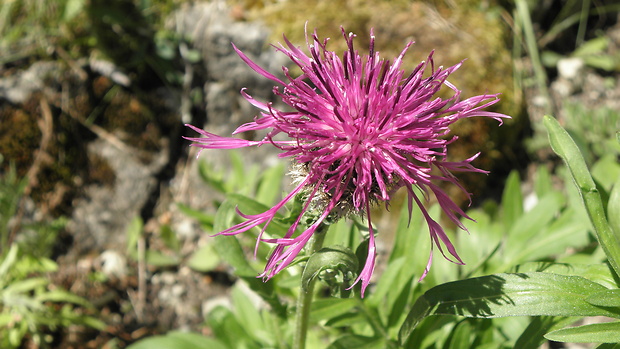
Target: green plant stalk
{"points": [[532, 48], [563, 145], [302, 313], [583, 22]]}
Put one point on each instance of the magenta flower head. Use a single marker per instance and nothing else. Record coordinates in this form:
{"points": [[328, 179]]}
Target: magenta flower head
{"points": [[358, 129]]}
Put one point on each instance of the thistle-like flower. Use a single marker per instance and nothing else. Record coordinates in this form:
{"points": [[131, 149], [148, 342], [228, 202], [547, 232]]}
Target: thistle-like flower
{"points": [[359, 128]]}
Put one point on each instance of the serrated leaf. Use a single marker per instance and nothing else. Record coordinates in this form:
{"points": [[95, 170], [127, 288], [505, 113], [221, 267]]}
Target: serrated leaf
{"points": [[607, 298], [608, 332], [500, 295]]}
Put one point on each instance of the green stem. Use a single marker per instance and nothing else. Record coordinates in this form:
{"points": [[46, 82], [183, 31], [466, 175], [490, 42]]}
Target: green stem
{"points": [[532, 47], [305, 296]]}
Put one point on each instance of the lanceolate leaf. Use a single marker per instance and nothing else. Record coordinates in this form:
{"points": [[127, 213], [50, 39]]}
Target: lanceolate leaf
{"points": [[565, 147], [607, 298], [595, 333], [500, 295]]}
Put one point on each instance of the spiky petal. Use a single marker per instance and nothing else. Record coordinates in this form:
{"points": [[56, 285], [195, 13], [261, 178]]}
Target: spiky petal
{"points": [[360, 129]]}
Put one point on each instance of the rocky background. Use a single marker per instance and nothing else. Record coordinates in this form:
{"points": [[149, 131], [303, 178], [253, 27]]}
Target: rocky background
{"points": [[94, 123]]}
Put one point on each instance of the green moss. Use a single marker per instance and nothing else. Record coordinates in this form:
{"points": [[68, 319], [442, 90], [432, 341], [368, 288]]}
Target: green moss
{"points": [[19, 137]]}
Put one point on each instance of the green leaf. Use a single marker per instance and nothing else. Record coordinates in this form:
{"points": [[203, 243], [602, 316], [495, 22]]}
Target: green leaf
{"points": [[606, 171], [64, 297], [27, 285], [228, 247], [408, 232], [159, 259], [512, 200], [270, 184], [230, 250], [337, 258], [564, 146], [608, 332], [607, 298], [598, 273], [385, 283], [249, 317], [250, 206], [328, 308], [461, 336], [609, 346], [210, 178], [226, 327], [500, 295], [134, 231], [5, 319], [592, 47], [170, 238], [613, 208], [352, 341], [8, 261], [73, 8], [533, 336], [204, 259], [205, 220], [178, 340], [542, 182]]}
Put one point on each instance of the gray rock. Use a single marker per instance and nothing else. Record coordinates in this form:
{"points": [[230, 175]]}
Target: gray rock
{"points": [[17, 88], [101, 216]]}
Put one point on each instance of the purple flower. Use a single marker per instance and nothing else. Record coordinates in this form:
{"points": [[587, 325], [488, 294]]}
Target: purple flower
{"points": [[358, 129]]}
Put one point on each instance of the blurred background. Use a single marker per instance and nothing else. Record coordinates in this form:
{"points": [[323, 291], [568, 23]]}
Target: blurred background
{"points": [[100, 197]]}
